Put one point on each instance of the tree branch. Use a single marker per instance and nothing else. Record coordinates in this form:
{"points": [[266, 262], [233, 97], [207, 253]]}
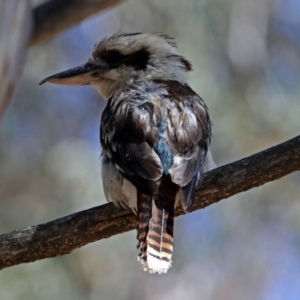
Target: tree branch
{"points": [[63, 235], [56, 16]]}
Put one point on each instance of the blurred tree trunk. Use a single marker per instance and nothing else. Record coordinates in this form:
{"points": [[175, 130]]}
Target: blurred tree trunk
{"points": [[21, 27], [15, 32]]}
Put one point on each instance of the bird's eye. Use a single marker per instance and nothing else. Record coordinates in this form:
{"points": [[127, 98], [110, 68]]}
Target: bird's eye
{"points": [[113, 56]]}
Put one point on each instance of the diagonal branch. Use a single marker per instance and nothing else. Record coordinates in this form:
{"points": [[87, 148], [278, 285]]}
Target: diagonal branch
{"points": [[55, 16], [63, 235]]}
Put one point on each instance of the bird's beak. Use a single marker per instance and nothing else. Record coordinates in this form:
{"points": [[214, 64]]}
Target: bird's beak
{"points": [[81, 75]]}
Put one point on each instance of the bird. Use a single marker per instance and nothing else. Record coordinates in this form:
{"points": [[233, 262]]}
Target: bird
{"points": [[155, 134]]}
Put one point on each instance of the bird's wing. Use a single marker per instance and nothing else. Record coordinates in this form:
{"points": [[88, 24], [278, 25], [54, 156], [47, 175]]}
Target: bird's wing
{"points": [[129, 131], [189, 133], [153, 128]]}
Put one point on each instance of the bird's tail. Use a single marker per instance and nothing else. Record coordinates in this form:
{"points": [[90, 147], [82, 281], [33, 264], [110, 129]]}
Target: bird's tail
{"points": [[155, 229], [160, 240], [144, 216]]}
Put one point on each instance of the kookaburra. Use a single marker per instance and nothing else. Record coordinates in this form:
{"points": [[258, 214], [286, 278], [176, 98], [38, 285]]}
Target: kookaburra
{"points": [[155, 134]]}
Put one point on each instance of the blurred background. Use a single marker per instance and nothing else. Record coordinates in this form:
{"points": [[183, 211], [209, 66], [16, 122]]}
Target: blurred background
{"points": [[246, 58]]}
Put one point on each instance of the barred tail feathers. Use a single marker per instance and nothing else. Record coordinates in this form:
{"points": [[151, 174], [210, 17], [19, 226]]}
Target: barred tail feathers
{"points": [[144, 216], [155, 227], [160, 240]]}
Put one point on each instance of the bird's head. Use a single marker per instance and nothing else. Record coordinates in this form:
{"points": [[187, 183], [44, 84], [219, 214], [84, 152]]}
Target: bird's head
{"points": [[123, 58]]}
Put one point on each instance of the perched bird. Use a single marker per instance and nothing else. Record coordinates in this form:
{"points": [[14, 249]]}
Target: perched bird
{"points": [[155, 134]]}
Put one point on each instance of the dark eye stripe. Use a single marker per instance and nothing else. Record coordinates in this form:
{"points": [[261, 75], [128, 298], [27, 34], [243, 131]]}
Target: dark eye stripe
{"points": [[137, 60], [112, 57]]}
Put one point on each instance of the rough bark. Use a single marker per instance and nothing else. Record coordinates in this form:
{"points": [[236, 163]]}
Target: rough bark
{"points": [[56, 16], [63, 235]]}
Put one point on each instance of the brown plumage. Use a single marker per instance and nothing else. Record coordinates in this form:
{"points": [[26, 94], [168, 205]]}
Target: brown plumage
{"points": [[155, 133], [157, 138]]}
